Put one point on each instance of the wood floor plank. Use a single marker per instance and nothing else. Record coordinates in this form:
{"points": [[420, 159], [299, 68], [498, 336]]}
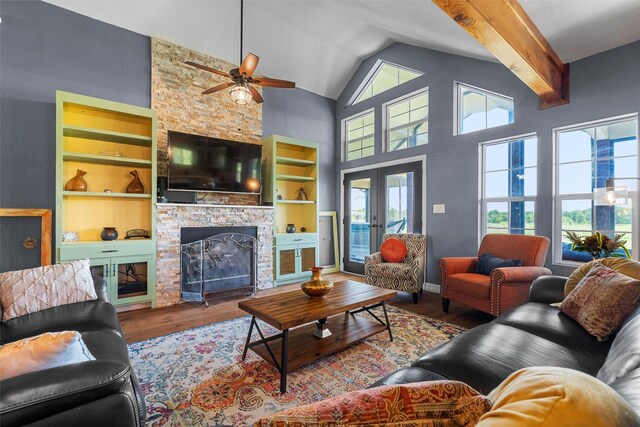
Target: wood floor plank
{"points": [[139, 325]]}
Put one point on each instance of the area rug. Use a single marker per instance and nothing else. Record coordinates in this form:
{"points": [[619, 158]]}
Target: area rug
{"points": [[197, 377]]}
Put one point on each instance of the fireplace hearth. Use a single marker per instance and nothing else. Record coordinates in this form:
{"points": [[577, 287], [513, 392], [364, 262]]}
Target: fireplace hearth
{"points": [[217, 262]]}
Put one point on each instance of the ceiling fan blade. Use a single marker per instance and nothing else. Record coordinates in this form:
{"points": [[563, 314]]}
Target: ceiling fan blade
{"points": [[256, 95], [218, 88], [249, 64], [265, 81], [204, 67]]}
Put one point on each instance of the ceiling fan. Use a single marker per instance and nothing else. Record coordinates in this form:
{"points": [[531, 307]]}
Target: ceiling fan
{"points": [[242, 78]]}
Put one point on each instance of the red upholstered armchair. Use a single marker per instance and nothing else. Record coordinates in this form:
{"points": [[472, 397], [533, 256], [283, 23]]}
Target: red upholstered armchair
{"points": [[506, 287]]}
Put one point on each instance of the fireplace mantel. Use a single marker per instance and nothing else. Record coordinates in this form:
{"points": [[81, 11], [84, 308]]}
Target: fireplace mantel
{"points": [[173, 216]]}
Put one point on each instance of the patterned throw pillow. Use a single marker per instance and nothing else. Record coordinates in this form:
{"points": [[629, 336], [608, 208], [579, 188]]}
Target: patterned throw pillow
{"points": [[27, 291], [553, 396], [393, 250], [626, 266], [45, 351], [429, 403], [602, 300]]}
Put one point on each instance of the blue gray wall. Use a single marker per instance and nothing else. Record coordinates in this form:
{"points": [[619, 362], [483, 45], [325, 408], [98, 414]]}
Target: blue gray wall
{"points": [[602, 86], [44, 48], [302, 114]]}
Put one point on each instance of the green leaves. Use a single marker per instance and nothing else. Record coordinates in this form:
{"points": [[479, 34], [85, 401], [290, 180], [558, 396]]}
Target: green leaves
{"points": [[599, 245]]}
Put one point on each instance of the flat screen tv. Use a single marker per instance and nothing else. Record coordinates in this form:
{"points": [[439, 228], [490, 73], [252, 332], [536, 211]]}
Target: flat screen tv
{"points": [[200, 163]]}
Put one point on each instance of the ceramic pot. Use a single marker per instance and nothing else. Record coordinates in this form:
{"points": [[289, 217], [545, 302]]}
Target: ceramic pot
{"points": [[109, 233], [135, 186], [77, 183], [291, 228], [317, 286]]}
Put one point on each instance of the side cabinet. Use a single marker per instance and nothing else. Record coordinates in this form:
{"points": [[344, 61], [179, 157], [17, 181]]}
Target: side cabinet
{"points": [[101, 146], [294, 261], [129, 278], [290, 183]]}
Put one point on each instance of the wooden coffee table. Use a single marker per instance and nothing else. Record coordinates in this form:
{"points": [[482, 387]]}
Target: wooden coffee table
{"points": [[301, 340]]}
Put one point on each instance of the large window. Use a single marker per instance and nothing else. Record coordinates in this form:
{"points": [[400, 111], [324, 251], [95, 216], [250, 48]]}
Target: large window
{"points": [[383, 77], [586, 156], [479, 109], [508, 190], [359, 136], [407, 121]]}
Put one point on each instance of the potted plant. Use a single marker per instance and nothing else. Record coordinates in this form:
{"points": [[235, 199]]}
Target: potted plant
{"points": [[599, 245]]}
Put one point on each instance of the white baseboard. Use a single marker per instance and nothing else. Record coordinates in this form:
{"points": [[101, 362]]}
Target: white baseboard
{"points": [[431, 287]]}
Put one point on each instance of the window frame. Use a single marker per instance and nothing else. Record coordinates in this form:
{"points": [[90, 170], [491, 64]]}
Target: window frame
{"points": [[373, 72], [343, 130], [385, 118], [508, 199], [634, 197], [458, 104]]}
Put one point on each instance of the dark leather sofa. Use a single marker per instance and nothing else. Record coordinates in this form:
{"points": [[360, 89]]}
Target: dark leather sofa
{"points": [[101, 392], [533, 334]]}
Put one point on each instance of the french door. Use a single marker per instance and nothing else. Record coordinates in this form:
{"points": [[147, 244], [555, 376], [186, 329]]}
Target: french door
{"points": [[379, 201]]}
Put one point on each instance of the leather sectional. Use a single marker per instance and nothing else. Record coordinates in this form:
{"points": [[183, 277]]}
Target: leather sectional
{"points": [[101, 392], [533, 334]]}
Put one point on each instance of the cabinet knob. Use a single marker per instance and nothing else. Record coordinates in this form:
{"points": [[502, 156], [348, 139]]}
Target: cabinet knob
{"points": [[111, 250]]}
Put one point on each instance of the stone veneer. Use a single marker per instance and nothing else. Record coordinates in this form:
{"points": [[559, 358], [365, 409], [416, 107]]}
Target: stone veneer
{"points": [[171, 217], [176, 95]]}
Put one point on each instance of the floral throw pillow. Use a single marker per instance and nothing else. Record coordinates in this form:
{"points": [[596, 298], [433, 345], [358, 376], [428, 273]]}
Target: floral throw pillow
{"points": [[429, 403], [602, 300]]}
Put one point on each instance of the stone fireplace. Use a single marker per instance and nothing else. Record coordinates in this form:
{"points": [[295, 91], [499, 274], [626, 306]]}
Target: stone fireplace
{"points": [[173, 217]]}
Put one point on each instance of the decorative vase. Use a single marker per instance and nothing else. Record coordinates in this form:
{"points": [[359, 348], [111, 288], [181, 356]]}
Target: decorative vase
{"points": [[291, 228], [109, 233], [135, 186], [317, 286], [77, 183]]}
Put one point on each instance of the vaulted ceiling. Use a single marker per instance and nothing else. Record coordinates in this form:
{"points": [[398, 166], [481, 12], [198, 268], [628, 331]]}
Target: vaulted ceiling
{"points": [[320, 43]]}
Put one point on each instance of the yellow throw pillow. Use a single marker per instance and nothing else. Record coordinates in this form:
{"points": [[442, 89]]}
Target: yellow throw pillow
{"points": [[48, 350], [625, 266], [556, 397]]}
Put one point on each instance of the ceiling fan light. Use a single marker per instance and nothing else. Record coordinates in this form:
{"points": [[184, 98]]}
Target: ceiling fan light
{"points": [[241, 94]]}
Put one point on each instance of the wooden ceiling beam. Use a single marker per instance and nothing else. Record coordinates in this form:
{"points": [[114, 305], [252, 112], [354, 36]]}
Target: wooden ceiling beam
{"points": [[505, 29]]}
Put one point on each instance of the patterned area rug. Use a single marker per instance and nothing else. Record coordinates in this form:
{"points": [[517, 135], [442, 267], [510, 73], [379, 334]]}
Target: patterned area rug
{"points": [[197, 377]]}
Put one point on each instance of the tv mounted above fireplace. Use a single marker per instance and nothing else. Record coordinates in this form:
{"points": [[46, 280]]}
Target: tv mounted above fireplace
{"points": [[200, 163]]}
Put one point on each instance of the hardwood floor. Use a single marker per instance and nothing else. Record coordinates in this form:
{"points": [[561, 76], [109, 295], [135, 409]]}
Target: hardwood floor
{"points": [[148, 323]]}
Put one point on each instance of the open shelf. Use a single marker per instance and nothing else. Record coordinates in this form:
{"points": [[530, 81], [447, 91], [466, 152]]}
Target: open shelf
{"points": [[105, 160], [106, 135], [296, 178], [291, 161], [102, 194], [298, 202]]}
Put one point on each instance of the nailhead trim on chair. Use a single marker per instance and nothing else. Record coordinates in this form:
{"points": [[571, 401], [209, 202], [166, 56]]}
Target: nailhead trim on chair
{"points": [[443, 286]]}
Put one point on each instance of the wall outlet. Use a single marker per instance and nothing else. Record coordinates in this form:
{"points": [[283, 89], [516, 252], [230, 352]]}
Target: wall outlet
{"points": [[438, 208]]}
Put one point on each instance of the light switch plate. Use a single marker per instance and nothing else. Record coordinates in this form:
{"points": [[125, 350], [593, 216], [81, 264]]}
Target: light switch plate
{"points": [[438, 208]]}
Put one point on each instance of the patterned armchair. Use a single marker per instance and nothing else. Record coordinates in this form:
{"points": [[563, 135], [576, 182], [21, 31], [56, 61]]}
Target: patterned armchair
{"points": [[405, 276], [506, 287]]}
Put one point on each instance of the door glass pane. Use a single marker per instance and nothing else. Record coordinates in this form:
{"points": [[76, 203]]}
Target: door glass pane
{"points": [[308, 258], [98, 270], [287, 263], [360, 219], [399, 209], [132, 279]]}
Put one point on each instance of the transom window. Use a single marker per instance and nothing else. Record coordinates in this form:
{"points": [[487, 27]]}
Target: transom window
{"points": [[509, 185], [359, 136], [479, 109], [586, 156], [383, 77], [408, 121]]}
